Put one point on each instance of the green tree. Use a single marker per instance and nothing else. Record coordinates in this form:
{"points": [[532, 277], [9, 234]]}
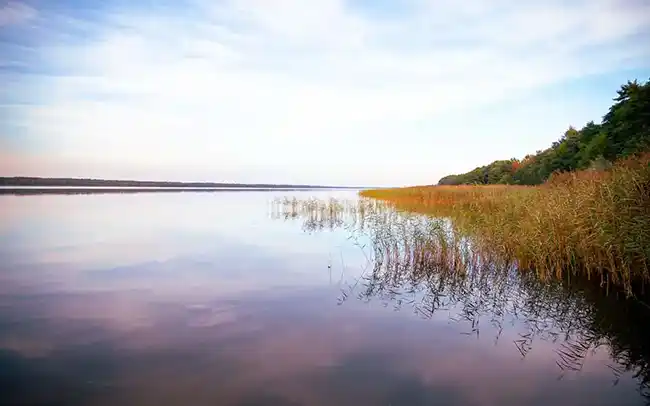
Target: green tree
{"points": [[624, 130]]}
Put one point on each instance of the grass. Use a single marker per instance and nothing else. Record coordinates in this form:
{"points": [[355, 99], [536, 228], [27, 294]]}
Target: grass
{"points": [[593, 223], [424, 263]]}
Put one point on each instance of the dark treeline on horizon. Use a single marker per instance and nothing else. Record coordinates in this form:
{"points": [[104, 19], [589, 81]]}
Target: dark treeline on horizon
{"points": [[85, 182], [624, 131]]}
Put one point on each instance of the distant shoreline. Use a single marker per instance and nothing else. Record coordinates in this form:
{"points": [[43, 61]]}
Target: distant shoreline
{"points": [[6, 183], [38, 190]]}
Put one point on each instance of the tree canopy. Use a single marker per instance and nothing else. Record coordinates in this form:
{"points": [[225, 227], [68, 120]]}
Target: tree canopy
{"points": [[624, 130]]}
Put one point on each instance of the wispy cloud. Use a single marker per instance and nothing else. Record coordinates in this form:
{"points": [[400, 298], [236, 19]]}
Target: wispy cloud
{"points": [[326, 91], [15, 13]]}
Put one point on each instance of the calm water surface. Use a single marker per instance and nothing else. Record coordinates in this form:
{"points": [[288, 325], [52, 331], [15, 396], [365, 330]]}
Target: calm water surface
{"points": [[231, 299]]}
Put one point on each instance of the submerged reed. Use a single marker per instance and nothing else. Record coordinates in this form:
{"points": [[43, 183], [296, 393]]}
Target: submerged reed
{"points": [[590, 222], [429, 264]]}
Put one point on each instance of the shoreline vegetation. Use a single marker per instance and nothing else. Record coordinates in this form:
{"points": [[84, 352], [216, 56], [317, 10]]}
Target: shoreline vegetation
{"points": [[23, 181], [581, 207], [418, 262]]}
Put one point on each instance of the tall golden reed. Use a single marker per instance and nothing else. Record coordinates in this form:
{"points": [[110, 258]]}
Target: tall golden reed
{"points": [[591, 222]]}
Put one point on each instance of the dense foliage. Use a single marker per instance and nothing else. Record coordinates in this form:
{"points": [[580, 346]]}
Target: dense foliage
{"points": [[624, 130]]}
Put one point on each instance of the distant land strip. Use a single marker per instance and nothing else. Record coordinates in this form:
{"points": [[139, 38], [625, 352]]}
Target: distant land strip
{"points": [[22, 181], [39, 190]]}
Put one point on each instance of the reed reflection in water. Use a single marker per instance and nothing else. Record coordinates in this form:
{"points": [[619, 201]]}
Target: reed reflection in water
{"points": [[423, 263]]}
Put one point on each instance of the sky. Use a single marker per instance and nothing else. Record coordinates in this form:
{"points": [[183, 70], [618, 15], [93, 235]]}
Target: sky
{"points": [[345, 92]]}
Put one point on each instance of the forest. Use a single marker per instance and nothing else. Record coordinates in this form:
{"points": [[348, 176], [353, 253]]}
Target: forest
{"points": [[86, 182], [623, 131]]}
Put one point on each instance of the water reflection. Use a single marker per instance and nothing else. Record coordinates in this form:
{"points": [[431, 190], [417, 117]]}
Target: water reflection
{"points": [[419, 262], [170, 299]]}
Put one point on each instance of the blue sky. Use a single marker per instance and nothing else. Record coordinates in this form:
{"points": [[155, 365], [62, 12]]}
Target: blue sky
{"points": [[328, 91]]}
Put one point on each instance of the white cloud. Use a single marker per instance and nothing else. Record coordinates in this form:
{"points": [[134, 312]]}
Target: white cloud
{"points": [[320, 88], [15, 13]]}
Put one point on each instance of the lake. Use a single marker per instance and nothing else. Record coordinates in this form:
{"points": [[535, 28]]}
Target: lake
{"points": [[258, 298]]}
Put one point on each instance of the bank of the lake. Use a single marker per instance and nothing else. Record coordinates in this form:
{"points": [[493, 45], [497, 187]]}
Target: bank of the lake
{"points": [[584, 209], [595, 223], [50, 182]]}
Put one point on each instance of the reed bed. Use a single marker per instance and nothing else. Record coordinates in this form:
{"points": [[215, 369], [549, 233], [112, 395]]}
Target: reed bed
{"points": [[428, 264], [589, 222]]}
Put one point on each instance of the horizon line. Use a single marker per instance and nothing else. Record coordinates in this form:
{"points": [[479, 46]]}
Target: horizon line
{"points": [[81, 181]]}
